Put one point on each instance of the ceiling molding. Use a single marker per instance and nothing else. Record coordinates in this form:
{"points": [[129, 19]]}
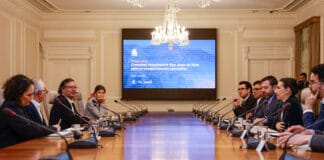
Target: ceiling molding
{"points": [[48, 6]]}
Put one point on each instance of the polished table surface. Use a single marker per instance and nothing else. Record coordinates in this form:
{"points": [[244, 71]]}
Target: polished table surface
{"points": [[156, 136]]}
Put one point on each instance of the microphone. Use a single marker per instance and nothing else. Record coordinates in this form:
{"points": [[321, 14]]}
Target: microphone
{"points": [[216, 119], [61, 156], [264, 102], [130, 117], [251, 142], [237, 133], [91, 142], [115, 126]]}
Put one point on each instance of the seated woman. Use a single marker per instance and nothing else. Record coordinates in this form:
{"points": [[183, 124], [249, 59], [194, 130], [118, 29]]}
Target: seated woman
{"points": [[286, 91], [18, 93], [95, 108]]}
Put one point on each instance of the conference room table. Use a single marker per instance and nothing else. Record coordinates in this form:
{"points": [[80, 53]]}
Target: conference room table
{"points": [[156, 136]]}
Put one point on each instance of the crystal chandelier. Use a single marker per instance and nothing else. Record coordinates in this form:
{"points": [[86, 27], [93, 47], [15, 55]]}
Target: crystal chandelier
{"points": [[137, 3], [170, 32], [200, 3]]}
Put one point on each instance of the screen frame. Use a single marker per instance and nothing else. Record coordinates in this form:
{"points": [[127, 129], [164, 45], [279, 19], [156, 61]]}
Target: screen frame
{"points": [[168, 93]]}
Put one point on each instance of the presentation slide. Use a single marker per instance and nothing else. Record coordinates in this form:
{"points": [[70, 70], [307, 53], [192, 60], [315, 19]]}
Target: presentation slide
{"points": [[155, 66]]}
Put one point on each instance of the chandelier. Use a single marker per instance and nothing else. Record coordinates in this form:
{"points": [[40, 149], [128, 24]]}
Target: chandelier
{"points": [[200, 3], [170, 31]]}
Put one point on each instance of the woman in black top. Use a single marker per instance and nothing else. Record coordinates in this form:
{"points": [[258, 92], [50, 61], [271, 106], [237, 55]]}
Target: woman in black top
{"points": [[286, 91], [18, 93]]}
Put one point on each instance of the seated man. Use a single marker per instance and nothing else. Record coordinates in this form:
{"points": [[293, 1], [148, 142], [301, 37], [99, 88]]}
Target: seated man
{"points": [[33, 110], [64, 108], [248, 102]]}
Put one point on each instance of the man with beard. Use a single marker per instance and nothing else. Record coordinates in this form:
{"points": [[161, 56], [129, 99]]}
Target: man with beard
{"points": [[268, 85]]}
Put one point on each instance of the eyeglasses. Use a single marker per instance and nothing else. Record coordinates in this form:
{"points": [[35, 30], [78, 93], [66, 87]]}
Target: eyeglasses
{"points": [[239, 89], [256, 89], [71, 87], [45, 91], [311, 82]]}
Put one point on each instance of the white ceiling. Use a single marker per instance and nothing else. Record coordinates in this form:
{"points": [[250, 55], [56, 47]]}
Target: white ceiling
{"points": [[105, 5]]}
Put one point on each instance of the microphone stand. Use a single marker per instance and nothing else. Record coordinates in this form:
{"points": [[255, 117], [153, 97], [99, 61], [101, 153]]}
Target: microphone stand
{"points": [[236, 133], [116, 126], [216, 115], [132, 117], [252, 143], [91, 142], [62, 156]]}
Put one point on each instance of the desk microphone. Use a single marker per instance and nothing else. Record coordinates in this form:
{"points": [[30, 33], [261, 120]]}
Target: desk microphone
{"points": [[91, 142], [251, 142], [62, 156], [237, 133], [115, 126], [132, 117]]}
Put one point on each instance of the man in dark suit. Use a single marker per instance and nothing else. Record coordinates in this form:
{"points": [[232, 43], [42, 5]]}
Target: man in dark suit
{"points": [[302, 82], [268, 85], [260, 100], [248, 101], [33, 110], [67, 91]]}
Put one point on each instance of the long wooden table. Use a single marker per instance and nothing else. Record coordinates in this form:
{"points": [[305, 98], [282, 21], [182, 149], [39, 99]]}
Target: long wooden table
{"points": [[156, 136]]}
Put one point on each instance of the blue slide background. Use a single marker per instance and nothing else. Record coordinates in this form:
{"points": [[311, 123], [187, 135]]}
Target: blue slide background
{"points": [[191, 66]]}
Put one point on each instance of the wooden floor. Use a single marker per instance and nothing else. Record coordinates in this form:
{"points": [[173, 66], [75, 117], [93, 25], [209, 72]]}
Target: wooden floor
{"points": [[156, 136]]}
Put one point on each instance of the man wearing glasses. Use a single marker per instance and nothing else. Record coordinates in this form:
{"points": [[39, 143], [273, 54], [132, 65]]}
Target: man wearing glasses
{"points": [[314, 136], [248, 101], [33, 110]]}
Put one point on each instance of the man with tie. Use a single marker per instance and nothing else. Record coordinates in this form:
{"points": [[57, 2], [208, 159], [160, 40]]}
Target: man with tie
{"points": [[248, 102], [268, 85], [33, 110], [64, 108]]}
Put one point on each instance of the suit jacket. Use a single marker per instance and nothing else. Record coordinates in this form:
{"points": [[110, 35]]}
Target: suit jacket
{"points": [[309, 119], [259, 107], [316, 143], [247, 105], [94, 110], [14, 129], [58, 112], [269, 108], [291, 116], [33, 114]]}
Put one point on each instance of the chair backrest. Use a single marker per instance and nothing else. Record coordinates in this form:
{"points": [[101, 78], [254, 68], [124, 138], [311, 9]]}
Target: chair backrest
{"points": [[304, 94], [79, 104], [48, 102], [1, 97]]}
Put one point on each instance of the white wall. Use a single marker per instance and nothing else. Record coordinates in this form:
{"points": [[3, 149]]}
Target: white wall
{"points": [[250, 46]]}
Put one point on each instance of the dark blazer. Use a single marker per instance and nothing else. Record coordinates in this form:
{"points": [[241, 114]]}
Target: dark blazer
{"points": [[33, 114], [269, 108], [309, 119], [60, 112], [259, 107], [316, 143], [15, 130], [247, 105], [291, 116]]}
